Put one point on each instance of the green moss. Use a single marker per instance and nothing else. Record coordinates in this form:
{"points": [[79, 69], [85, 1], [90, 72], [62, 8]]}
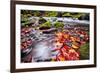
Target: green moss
{"points": [[46, 24], [51, 14], [84, 51], [73, 15], [58, 25]]}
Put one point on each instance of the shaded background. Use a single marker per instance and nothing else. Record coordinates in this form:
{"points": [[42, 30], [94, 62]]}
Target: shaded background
{"points": [[5, 35]]}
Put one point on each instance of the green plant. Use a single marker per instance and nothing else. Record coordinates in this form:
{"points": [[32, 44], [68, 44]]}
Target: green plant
{"points": [[37, 13]]}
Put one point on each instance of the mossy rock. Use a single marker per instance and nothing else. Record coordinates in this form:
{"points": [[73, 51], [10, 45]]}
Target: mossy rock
{"points": [[46, 24], [42, 20], [58, 25], [84, 51]]}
